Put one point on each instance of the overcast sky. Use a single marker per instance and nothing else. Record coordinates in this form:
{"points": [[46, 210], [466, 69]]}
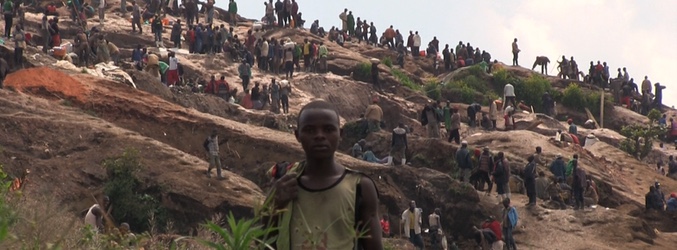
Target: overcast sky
{"points": [[639, 35]]}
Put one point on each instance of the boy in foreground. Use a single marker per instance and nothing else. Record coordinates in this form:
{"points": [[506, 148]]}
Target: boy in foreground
{"points": [[326, 205]]}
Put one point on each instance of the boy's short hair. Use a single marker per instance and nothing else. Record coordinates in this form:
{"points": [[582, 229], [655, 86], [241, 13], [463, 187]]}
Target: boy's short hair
{"points": [[318, 104]]}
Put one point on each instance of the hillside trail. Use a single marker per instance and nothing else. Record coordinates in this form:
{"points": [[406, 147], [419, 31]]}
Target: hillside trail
{"points": [[540, 227]]}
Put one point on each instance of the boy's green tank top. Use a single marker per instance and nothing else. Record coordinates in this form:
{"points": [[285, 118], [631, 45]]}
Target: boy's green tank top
{"points": [[321, 219]]}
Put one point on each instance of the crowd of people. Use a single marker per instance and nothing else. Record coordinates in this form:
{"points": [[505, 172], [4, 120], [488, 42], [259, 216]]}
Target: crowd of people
{"points": [[569, 186]]}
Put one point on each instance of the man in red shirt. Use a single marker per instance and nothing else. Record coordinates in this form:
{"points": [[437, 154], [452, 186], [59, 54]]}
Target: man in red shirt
{"points": [[492, 224]]}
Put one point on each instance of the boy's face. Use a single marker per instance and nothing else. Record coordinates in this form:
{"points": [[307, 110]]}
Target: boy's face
{"points": [[318, 132]]}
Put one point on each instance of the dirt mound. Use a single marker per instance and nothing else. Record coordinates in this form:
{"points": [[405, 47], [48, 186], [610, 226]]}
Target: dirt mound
{"points": [[46, 81], [63, 148]]}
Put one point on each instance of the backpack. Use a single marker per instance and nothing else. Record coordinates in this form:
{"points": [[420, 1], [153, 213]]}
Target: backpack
{"points": [[280, 169], [512, 214], [424, 118]]}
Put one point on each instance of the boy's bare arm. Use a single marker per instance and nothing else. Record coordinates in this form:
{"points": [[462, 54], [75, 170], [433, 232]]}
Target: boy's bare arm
{"points": [[369, 215]]}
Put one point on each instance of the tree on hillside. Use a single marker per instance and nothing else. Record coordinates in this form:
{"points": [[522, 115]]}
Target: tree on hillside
{"points": [[639, 139]]}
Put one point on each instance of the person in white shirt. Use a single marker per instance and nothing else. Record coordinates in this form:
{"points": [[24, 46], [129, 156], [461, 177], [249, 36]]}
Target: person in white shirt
{"points": [[173, 70], [95, 214], [509, 94], [411, 220]]}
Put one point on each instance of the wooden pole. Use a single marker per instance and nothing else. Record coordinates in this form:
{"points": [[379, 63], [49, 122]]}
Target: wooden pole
{"points": [[601, 110]]}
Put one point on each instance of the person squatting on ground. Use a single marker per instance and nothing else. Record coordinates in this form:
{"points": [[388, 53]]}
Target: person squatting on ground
{"points": [[319, 175]]}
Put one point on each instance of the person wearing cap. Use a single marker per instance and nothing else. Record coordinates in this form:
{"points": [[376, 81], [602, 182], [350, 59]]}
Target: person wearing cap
{"points": [[573, 130], [659, 192], [672, 203], [464, 162], [374, 115]]}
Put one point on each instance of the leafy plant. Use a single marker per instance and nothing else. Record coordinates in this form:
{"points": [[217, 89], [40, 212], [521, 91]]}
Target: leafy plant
{"points": [[405, 80], [501, 77], [123, 187], [387, 61], [531, 91], [459, 91], [476, 71], [432, 90], [639, 139], [7, 214], [362, 71], [242, 234]]}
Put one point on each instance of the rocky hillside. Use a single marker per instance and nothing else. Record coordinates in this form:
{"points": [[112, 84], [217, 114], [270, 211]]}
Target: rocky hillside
{"points": [[62, 123]]}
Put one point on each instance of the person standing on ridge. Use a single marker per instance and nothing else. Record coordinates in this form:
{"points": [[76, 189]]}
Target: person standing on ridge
{"points": [[232, 13], [8, 11], [515, 52], [211, 145], [354, 204], [344, 20], [417, 45], [351, 24]]}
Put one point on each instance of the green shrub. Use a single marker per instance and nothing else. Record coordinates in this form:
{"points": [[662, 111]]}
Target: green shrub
{"points": [[125, 190], [476, 83], [432, 90], [654, 115], [578, 99], [7, 215], [633, 133], [573, 97], [405, 80], [476, 71], [387, 62], [459, 91], [362, 71], [531, 90], [501, 77]]}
